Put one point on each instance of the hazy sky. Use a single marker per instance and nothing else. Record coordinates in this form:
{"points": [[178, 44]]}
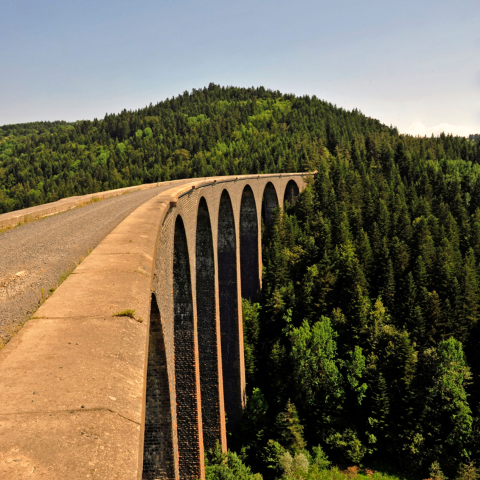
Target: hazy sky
{"points": [[413, 64]]}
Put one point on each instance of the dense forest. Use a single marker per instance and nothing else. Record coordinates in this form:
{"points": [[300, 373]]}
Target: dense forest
{"points": [[362, 349]]}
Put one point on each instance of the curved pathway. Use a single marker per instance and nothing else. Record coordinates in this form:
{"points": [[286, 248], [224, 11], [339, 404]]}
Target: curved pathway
{"points": [[34, 257]]}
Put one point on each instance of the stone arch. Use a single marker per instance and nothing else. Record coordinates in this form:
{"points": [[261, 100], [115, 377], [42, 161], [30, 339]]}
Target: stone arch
{"points": [[185, 359], [207, 328], [249, 260], [269, 203], [291, 192], [158, 460], [229, 311]]}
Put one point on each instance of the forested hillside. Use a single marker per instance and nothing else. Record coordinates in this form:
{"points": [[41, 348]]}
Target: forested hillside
{"points": [[366, 339], [213, 131]]}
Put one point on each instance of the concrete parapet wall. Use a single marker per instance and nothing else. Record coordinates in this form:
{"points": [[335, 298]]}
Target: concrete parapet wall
{"points": [[73, 381]]}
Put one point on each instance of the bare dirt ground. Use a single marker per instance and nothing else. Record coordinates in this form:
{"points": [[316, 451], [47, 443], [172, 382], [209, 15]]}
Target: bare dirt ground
{"points": [[35, 257]]}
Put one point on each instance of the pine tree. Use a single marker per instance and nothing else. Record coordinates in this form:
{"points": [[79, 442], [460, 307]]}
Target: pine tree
{"points": [[468, 471], [387, 289], [448, 417], [470, 298], [380, 413], [364, 251], [289, 429]]}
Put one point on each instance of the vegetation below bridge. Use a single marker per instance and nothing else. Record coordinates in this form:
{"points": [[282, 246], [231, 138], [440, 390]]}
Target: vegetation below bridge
{"points": [[364, 345]]}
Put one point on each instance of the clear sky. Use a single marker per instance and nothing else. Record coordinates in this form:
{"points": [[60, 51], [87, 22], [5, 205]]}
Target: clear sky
{"points": [[412, 64]]}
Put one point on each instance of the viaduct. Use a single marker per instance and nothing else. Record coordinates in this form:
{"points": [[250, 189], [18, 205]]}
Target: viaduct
{"points": [[131, 368]]}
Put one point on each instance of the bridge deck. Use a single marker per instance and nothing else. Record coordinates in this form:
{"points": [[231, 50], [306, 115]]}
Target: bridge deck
{"points": [[73, 380]]}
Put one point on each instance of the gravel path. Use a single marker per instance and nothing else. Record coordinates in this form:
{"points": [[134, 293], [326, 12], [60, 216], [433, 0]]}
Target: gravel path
{"points": [[35, 256]]}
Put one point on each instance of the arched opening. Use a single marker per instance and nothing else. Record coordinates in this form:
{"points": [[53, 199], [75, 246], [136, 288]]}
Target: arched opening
{"points": [[229, 321], [206, 327], [184, 354], [291, 192], [269, 203], [249, 263], [158, 447]]}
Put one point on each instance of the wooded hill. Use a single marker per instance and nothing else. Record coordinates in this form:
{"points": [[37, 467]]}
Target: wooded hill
{"points": [[211, 131]]}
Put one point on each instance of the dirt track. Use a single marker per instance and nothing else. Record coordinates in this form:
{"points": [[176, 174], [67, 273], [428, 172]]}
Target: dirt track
{"points": [[35, 256]]}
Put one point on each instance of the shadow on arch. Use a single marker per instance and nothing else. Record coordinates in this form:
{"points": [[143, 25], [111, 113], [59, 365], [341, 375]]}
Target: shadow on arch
{"points": [[158, 461], [231, 341], [249, 257], [269, 203], [291, 192], [207, 329], [188, 421]]}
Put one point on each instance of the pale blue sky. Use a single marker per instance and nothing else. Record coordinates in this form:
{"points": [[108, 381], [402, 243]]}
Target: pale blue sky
{"points": [[413, 64]]}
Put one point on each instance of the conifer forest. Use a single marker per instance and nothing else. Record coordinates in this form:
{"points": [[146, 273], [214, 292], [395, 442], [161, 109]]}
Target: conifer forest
{"points": [[362, 350]]}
